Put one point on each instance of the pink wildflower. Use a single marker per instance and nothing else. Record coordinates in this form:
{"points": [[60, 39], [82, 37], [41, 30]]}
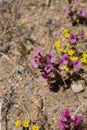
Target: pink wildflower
{"points": [[65, 113], [48, 68], [72, 39], [77, 120], [82, 13], [43, 77], [38, 53], [50, 58], [35, 62], [77, 64], [64, 59], [62, 124], [68, 10]]}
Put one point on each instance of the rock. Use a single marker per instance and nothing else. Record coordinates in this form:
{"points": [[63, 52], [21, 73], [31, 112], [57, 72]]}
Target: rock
{"points": [[77, 87], [30, 86], [38, 104]]}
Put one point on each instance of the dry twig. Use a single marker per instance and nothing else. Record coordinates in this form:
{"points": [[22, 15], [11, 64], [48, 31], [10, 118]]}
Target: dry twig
{"points": [[1, 101]]}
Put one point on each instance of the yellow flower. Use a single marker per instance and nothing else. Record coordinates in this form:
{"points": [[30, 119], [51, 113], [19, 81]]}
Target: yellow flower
{"points": [[86, 62], [84, 55], [74, 58], [83, 60], [70, 52], [59, 50], [25, 124], [57, 43], [66, 68], [66, 30], [64, 51], [67, 35], [35, 127], [17, 122], [68, 44], [77, 20]]}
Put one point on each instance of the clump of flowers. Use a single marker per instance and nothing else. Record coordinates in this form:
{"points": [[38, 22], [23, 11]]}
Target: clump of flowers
{"points": [[26, 124], [74, 39], [66, 33], [76, 16], [51, 68], [69, 60], [45, 63], [69, 123]]}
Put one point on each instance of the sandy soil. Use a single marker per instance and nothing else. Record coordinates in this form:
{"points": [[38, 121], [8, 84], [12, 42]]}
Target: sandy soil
{"points": [[24, 27]]}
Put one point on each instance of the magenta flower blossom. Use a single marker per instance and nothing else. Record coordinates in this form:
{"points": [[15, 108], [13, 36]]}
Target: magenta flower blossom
{"points": [[48, 68], [82, 13], [77, 64], [68, 10], [38, 53], [64, 59], [72, 39], [35, 62], [50, 58], [65, 113], [77, 120], [62, 124], [67, 123], [43, 77]]}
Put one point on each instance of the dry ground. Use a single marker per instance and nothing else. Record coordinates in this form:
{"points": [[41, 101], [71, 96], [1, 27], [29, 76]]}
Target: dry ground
{"points": [[24, 27]]}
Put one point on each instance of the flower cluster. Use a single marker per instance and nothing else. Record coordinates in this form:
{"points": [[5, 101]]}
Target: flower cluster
{"points": [[70, 54], [25, 124], [73, 39], [82, 13], [70, 59], [77, 16], [50, 68], [45, 63], [76, 64], [69, 123], [66, 33], [71, 47]]}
